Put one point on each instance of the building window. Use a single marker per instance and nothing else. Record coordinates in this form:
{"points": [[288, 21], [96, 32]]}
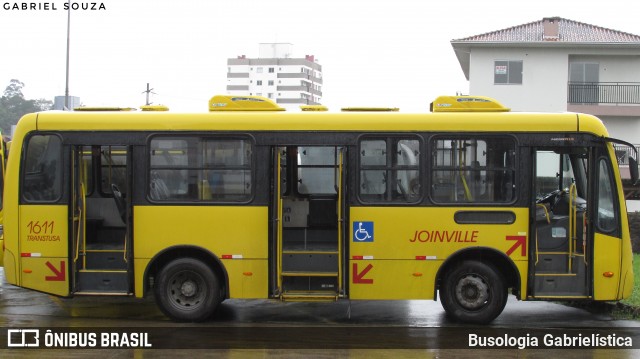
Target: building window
{"points": [[583, 79], [507, 72], [259, 70], [270, 83], [271, 70], [259, 82], [270, 95]]}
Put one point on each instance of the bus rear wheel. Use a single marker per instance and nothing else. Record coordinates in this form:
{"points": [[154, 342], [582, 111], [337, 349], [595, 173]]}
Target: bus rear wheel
{"points": [[473, 292], [187, 290]]}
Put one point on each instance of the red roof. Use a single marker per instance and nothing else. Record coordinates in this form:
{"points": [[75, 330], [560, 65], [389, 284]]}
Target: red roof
{"points": [[568, 31]]}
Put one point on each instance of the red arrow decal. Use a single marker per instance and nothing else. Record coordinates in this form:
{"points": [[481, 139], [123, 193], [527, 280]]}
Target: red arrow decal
{"points": [[359, 277], [521, 241], [59, 274]]}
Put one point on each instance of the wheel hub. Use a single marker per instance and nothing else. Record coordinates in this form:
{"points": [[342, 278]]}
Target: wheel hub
{"points": [[188, 288], [472, 292]]}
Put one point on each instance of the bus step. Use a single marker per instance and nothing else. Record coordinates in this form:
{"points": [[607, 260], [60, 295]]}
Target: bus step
{"points": [[310, 282], [105, 260], [103, 281], [309, 274], [309, 296], [113, 294], [563, 285]]}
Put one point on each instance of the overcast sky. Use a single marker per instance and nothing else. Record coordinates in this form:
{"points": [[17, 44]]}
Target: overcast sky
{"points": [[373, 53]]}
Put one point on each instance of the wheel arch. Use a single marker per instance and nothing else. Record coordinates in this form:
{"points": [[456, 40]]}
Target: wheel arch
{"points": [[498, 259], [169, 254]]}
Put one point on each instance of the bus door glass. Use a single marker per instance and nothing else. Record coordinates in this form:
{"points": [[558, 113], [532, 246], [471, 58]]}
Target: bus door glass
{"points": [[560, 257], [309, 206], [43, 217], [2, 173], [101, 244], [605, 221]]}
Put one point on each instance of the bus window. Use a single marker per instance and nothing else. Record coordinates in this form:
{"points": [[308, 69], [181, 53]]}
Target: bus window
{"points": [[113, 168], [42, 181], [473, 170], [197, 169], [317, 174], [606, 220], [390, 170]]}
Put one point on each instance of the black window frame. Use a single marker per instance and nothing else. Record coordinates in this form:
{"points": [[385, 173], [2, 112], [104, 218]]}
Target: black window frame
{"points": [[512, 76], [390, 167], [59, 169], [614, 231], [432, 168], [201, 138]]}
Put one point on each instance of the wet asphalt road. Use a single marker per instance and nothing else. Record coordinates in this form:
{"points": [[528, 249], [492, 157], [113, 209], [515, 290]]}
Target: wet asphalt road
{"points": [[270, 328]]}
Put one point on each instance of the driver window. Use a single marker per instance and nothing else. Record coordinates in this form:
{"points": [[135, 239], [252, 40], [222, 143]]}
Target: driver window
{"points": [[557, 174], [547, 166], [554, 172]]}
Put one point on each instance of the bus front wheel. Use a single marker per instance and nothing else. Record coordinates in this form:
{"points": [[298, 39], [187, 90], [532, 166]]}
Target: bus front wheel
{"points": [[186, 290], [473, 292]]}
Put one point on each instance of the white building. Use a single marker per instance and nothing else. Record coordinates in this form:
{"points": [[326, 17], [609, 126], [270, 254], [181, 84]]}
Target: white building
{"points": [[275, 74], [555, 65], [58, 103]]}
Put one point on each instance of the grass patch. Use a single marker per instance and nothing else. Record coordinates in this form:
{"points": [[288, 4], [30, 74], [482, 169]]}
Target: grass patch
{"points": [[630, 308], [634, 300]]}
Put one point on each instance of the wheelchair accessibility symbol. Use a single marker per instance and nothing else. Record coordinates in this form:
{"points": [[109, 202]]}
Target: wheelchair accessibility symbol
{"points": [[363, 231]]}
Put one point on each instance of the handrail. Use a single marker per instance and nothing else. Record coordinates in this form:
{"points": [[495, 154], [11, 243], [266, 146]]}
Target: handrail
{"points": [[626, 93], [573, 228], [546, 214], [279, 219], [340, 219]]}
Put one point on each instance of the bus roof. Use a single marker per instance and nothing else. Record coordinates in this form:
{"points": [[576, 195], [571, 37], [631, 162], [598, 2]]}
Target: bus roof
{"points": [[315, 121]]}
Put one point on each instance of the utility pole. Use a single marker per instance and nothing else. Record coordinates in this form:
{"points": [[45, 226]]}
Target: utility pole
{"points": [[149, 91], [66, 88]]}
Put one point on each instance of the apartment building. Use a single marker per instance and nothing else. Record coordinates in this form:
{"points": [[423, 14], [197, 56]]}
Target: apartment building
{"points": [[276, 74]]}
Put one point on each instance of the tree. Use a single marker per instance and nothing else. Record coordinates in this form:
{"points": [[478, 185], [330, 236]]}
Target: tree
{"points": [[13, 105]]}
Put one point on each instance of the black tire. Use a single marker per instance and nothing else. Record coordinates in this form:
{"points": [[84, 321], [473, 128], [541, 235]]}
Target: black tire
{"points": [[187, 290], [473, 292]]}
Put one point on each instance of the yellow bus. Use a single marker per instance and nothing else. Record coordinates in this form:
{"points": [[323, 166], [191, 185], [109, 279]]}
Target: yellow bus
{"points": [[465, 204], [3, 153]]}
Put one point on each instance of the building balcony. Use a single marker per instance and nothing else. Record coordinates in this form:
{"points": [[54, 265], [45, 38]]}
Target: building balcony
{"points": [[604, 98], [300, 75], [237, 87], [308, 89], [300, 101]]}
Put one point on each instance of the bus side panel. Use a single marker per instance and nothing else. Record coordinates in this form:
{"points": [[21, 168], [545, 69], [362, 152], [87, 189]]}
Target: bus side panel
{"points": [[248, 278], [240, 232], [44, 248], [606, 267], [392, 279], [394, 250]]}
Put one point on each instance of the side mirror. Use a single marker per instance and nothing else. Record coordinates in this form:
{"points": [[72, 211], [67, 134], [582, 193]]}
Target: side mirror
{"points": [[633, 170]]}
